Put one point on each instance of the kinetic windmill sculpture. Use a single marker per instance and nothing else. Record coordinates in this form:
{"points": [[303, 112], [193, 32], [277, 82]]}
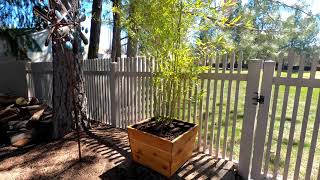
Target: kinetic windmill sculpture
{"points": [[63, 24]]}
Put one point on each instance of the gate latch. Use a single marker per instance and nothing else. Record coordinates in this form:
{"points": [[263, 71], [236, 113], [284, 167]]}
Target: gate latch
{"points": [[258, 99]]}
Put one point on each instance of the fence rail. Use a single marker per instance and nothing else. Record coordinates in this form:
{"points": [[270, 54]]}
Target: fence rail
{"points": [[276, 138]]}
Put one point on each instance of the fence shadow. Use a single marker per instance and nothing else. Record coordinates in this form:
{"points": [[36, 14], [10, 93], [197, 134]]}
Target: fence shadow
{"points": [[112, 143]]}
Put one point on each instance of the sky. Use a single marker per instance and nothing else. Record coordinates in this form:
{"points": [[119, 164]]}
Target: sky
{"points": [[106, 30]]}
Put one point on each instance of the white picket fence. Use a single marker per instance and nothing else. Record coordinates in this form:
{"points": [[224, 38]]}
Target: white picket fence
{"points": [[232, 124]]}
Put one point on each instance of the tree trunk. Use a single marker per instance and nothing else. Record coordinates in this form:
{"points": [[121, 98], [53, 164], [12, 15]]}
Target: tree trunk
{"points": [[95, 29], [116, 41], [132, 44], [62, 97], [68, 90]]}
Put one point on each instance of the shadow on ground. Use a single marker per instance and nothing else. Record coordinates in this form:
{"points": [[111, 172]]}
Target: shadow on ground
{"points": [[106, 155], [113, 144]]}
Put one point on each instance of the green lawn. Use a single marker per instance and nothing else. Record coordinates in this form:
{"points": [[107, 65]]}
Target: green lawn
{"points": [[288, 118]]}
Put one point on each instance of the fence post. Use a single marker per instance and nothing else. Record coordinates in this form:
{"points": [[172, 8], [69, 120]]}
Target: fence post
{"points": [[262, 119], [114, 95], [250, 112]]}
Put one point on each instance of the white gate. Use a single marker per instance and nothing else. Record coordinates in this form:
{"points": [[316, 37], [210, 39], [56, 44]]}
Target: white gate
{"points": [[286, 134]]}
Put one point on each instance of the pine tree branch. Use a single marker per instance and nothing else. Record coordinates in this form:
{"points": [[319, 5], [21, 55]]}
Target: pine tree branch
{"points": [[292, 7]]}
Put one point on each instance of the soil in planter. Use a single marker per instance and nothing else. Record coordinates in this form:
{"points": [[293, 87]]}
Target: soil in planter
{"points": [[164, 127]]}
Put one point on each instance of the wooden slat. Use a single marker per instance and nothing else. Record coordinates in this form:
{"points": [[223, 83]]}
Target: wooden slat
{"points": [[283, 114], [223, 76], [156, 109], [143, 93], [94, 91], [200, 116], [207, 109], [293, 119], [304, 123], [195, 104], [228, 109], [109, 92], [128, 98], [132, 92], [235, 108], [135, 90], [122, 97], [119, 120], [189, 100], [220, 107], [313, 142], [90, 98], [138, 104], [215, 85], [106, 87], [313, 83], [151, 88], [179, 93], [102, 93], [147, 91], [184, 100]]}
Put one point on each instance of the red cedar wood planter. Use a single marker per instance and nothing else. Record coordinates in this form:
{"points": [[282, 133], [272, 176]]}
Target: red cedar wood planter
{"points": [[160, 154]]}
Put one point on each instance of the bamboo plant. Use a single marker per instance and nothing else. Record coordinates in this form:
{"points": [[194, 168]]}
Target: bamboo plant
{"points": [[168, 30]]}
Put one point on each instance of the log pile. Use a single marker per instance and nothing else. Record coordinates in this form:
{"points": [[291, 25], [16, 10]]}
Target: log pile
{"points": [[23, 121]]}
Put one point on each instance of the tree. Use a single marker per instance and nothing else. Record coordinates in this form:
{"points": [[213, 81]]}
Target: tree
{"points": [[116, 36], [69, 102], [95, 29], [272, 33], [132, 44]]}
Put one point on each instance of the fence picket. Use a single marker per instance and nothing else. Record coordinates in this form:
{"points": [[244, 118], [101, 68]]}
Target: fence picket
{"points": [[128, 91], [142, 84], [138, 104], [207, 107], [106, 88], [235, 111], [293, 119], [179, 93], [147, 90], [304, 122], [226, 127], [195, 104], [283, 114], [217, 57], [273, 116], [200, 115], [102, 91], [184, 94], [123, 98], [224, 67], [189, 101], [151, 69], [313, 142]]}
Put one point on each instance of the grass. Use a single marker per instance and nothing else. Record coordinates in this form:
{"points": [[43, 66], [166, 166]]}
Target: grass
{"points": [[239, 120]]}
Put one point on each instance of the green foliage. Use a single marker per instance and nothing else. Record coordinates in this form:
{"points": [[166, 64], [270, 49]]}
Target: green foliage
{"points": [[272, 33], [168, 30]]}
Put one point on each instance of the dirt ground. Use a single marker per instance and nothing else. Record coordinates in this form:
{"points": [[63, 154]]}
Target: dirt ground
{"points": [[105, 155]]}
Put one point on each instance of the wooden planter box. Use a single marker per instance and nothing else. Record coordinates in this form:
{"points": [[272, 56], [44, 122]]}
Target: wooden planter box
{"points": [[159, 154]]}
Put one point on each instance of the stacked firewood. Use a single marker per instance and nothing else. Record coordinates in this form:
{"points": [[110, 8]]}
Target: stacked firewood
{"points": [[23, 121]]}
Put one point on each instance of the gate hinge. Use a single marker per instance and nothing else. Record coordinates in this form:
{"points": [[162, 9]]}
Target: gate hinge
{"points": [[258, 99]]}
